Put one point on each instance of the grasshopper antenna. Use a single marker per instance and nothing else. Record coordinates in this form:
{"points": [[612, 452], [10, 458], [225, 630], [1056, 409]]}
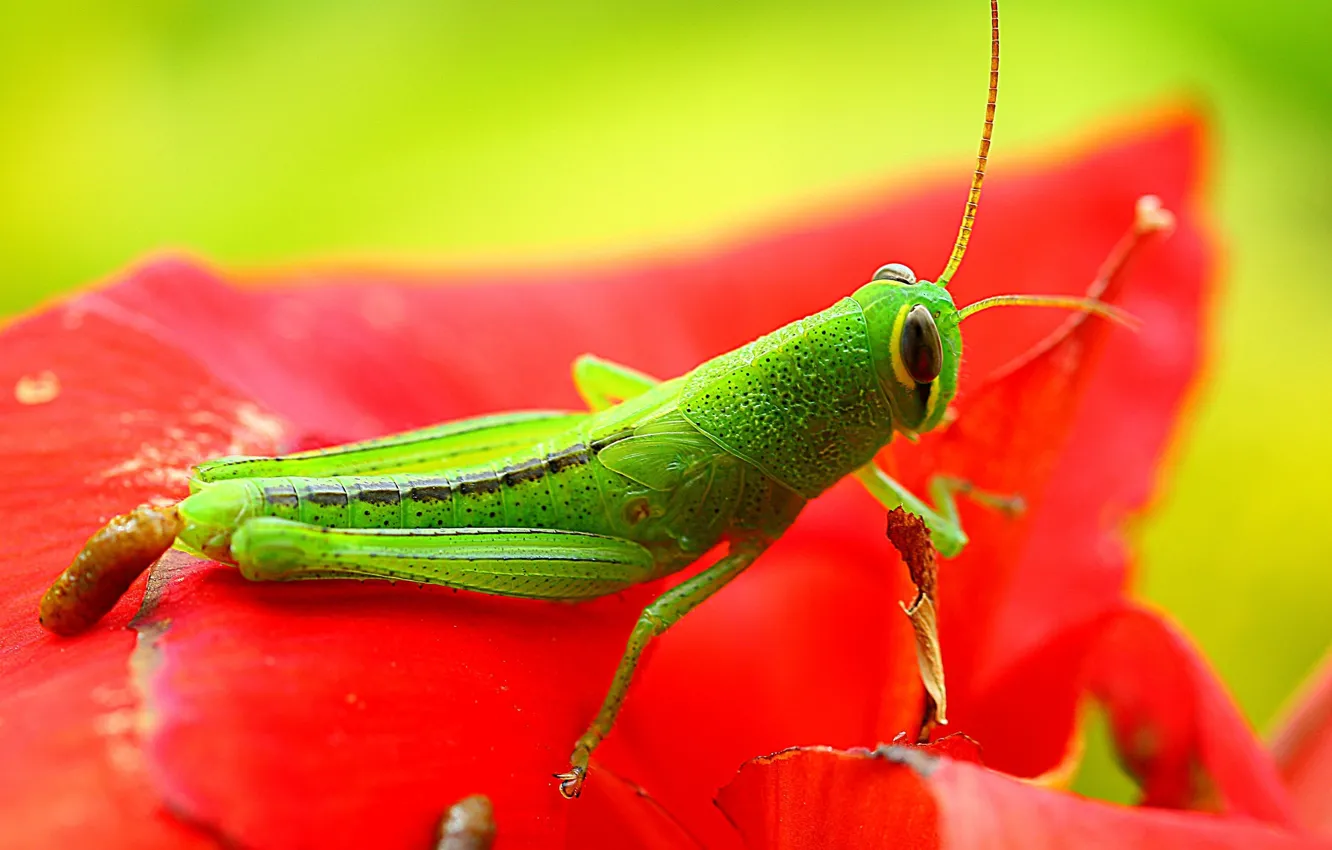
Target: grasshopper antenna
{"points": [[973, 197], [1149, 217]]}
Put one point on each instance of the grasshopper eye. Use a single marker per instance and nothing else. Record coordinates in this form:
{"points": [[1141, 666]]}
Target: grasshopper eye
{"points": [[922, 351], [895, 271]]}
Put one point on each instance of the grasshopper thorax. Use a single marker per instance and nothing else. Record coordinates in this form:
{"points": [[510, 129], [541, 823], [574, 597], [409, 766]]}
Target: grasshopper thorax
{"points": [[915, 343]]}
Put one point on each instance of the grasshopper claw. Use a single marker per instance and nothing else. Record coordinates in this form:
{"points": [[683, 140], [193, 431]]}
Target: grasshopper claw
{"points": [[1012, 506], [571, 783]]}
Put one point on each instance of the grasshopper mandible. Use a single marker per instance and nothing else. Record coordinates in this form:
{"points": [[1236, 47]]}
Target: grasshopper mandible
{"points": [[562, 505]]}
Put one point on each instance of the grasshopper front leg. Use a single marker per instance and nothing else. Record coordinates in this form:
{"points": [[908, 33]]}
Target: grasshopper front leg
{"points": [[945, 529]]}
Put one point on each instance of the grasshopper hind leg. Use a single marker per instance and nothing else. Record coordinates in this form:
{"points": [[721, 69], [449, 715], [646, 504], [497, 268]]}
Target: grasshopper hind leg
{"points": [[526, 562]]}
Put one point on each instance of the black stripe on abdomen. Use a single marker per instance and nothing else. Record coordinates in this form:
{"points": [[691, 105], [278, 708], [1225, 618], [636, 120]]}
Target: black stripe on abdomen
{"points": [[428, 501], [324, 501], [575, 455], [374, 502]]}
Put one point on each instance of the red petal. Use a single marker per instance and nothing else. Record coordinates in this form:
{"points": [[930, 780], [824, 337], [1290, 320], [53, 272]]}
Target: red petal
{"points": [[956, 746], [1303, 751], [821, 798], [615, 813], [1175, 726], [72, 767]]}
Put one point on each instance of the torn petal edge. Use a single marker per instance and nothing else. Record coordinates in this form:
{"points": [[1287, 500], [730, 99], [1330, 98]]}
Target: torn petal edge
{"points": [[806, 797]]}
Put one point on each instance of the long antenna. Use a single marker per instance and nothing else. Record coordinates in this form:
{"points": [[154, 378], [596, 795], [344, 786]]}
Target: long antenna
{"points": [[973, 198], [1063, 302]]}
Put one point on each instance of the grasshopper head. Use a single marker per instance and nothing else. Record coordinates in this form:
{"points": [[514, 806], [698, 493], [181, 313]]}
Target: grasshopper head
{"points": [[915, 343]]}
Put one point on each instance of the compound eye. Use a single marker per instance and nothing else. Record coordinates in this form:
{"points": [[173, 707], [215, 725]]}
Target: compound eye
{"points": [[922, 351], [895, 271]]}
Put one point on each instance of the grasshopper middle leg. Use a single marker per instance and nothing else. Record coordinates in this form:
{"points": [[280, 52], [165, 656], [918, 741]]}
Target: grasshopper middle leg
{"points": [[660, 615]]}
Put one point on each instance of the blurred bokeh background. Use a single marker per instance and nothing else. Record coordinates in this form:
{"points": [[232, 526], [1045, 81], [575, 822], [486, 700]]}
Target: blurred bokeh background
{"points": [[461, 132]]}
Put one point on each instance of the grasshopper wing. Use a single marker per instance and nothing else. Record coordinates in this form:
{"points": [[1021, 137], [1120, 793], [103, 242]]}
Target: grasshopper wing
{"points": [[662, 454]]}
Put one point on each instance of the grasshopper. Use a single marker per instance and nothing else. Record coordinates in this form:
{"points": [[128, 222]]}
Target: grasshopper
{"points": [[575, 505]]}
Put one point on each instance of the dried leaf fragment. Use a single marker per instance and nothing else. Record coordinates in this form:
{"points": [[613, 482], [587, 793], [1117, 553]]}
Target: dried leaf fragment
{"points": [[909, 535]]}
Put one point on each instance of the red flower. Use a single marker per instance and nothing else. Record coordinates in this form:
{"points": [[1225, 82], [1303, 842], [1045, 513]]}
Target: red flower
{"points": [[348, 714], [1303, 750]]}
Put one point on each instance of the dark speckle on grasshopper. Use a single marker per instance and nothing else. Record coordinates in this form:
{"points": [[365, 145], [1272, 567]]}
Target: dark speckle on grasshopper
{"points": [[561, 505]]}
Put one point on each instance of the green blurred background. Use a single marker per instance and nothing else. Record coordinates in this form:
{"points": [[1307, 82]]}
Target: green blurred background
{"points": [[426, 131]]}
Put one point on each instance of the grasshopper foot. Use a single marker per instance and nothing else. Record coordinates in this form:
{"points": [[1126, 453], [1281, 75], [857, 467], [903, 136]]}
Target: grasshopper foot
{"points": [[571, 783], [1011, 506]]}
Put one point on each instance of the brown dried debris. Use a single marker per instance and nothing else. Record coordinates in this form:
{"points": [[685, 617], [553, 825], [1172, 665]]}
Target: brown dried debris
{"points": [[910, 536], [468, 825], [106, 566]]}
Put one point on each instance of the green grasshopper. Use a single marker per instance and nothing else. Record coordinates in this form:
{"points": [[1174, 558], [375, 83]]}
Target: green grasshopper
{"points": [[559, 505]]}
